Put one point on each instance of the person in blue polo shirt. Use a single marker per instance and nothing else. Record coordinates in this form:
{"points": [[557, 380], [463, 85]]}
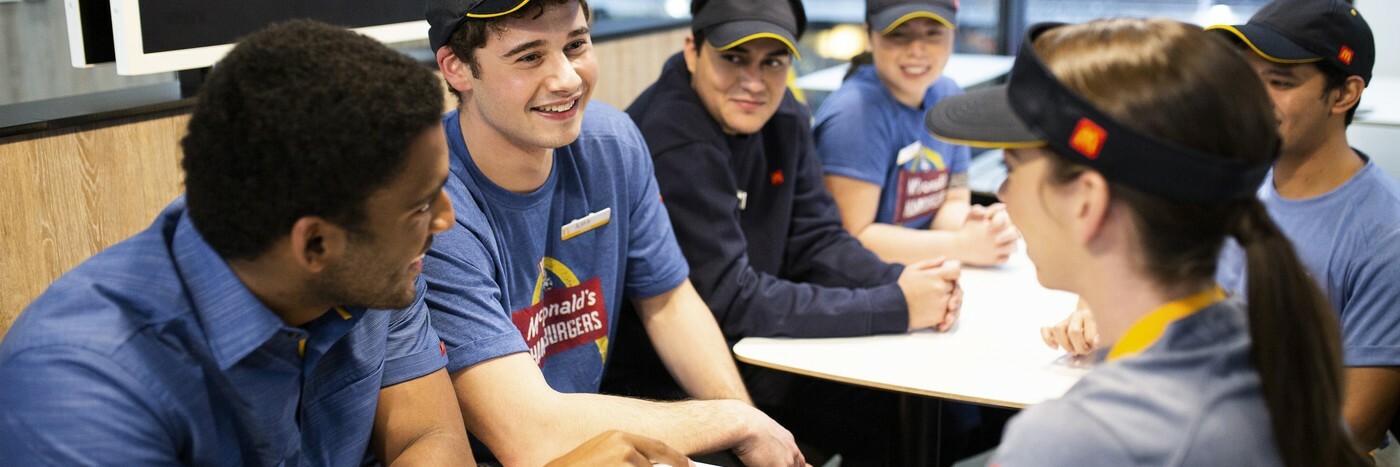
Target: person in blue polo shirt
{"points": [[558, 223], [245, 326], [903, 193], [1133, 151]]}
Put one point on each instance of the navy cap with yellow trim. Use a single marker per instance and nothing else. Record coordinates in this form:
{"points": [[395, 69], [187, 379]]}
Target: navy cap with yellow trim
{"points": [[1309, 31], [1034, 109], [445, 16], [885, 15], [729, 23]]}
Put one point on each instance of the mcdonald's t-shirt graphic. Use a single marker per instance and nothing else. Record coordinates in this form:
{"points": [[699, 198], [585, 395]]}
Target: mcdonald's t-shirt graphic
{"points": [[564, 313], [922, 185]]}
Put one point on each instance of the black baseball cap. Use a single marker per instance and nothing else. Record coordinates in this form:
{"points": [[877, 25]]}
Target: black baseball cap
{"points": [[728, 23], [445, 16], [885, 15], [1034, 109], [1309, 31]]}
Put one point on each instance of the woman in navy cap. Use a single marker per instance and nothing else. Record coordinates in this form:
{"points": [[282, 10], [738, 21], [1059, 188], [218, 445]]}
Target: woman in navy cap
{"points": [[1134, 150], [901, 192]]}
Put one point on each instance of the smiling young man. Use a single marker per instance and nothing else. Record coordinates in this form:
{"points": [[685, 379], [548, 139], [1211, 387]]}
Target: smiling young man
{"points": [[237, 329], [1341, 212], [742, 182], [558, 223]]}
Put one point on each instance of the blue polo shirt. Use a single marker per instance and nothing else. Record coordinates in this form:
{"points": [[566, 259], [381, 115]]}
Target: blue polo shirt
{"points": [[863, 132], [153, 352]]}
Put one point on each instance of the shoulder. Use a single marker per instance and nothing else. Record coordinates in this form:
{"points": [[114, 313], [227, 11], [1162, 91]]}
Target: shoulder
{"points": [[673, 119], [1060, 432]]}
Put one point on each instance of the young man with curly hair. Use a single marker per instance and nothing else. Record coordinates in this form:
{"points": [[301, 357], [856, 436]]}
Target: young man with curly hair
{"points": [[558, 223], [249, 325]]}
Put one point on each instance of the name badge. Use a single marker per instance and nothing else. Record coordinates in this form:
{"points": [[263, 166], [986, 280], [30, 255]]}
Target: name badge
{"points": [[583, 224]]}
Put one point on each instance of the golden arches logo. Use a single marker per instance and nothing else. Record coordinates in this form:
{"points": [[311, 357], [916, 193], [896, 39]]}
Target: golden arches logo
{"points": [[547, 266]]}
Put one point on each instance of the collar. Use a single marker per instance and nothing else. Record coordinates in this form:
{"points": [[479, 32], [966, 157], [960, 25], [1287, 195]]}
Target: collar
{"points": [[1149, 329], [234, 321]]}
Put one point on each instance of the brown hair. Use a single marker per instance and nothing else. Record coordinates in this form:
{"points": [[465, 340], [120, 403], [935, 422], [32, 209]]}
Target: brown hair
{"points": [[1180, 84], [473, 35]]}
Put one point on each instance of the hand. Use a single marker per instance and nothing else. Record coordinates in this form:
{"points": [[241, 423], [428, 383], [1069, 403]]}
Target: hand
{"points": [[1077, 334], [766, 443], [987, 237], [930, 288], [618, 448]]}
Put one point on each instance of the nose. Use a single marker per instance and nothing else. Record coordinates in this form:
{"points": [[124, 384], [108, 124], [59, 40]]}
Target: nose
{"points": [[917, 48], [442, 214], [564, 79], [751, 79], [1001, 189]]}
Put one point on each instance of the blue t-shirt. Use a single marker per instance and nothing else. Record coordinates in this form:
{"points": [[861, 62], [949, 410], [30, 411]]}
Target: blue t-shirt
{"points": [[154, 353], [1349, 241], [545, 272], [1191, 398], [863, 133]]}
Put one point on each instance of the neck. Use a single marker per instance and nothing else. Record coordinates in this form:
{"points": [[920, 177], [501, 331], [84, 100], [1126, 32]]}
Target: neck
{"points": [[1120, 296], [1314, 171], [510, 164], [280, 293]]}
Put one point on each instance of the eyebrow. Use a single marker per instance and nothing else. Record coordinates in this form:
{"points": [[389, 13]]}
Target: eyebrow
{"points": [[583, 31], [432, 194]]}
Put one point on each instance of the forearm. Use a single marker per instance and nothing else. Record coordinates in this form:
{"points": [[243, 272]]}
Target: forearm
{"points": [[691, 345], [953, 213], [436, 448], [899, 244], [1370, 402]]}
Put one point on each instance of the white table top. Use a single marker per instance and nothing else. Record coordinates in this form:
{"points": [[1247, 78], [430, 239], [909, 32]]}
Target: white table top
{"points": [[993, 356], [965, 69]]}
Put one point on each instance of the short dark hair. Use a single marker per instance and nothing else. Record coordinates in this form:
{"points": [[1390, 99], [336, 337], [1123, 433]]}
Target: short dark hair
{"points": [[300, 119], [1336, 79], [473, 34]]}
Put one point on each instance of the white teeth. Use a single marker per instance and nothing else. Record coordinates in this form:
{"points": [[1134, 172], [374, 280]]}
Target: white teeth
{"points": [[558, 108], [915, 70]]}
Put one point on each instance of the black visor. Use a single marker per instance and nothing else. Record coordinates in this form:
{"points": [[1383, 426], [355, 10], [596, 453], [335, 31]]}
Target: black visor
{"points": [[1035, 110]]}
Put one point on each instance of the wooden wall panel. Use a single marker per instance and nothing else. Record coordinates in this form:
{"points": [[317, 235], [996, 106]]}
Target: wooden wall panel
{"points": [[67, 194]]}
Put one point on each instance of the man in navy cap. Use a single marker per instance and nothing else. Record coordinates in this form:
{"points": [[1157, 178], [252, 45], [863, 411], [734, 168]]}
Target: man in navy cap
{"points": [[739, 172], [1341, 212], [558, 223]]}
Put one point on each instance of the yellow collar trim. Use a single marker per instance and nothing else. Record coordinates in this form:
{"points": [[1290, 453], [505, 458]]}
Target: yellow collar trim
{"points": [[761, 35], [1149, 329], [918, 14], [1237, 33]]}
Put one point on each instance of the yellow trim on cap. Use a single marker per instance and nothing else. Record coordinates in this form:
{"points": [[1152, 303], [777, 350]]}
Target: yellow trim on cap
{"points": [[993, 144], [1261, 52], [1149, 329], [918, 14], [343, 314], [762, 35], [493, 15]]}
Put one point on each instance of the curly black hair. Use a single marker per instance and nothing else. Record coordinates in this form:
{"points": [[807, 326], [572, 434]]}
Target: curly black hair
{"points": [[300, 119]]}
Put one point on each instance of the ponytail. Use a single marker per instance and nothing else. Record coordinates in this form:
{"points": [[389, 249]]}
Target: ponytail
{"points": [[863, 58], [1296, 349]]}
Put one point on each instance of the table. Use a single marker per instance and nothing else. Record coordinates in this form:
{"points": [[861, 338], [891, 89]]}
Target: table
{"points": [[967, 70], [992, 356]]}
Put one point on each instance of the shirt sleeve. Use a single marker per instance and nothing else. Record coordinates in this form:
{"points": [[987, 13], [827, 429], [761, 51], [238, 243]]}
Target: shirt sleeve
{"points": [[464, 300], [1370, 313], [414, 349], [699, 195], [852, 141], [69, 406], [654, 261], [1058, 433]]}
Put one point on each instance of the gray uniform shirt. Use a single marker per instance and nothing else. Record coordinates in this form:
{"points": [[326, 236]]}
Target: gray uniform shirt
{"points": [[1191, 398]]}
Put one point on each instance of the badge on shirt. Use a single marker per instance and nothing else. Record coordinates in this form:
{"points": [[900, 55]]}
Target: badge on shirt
{"points": [[583, 224], [564, 313], [922, 183]]}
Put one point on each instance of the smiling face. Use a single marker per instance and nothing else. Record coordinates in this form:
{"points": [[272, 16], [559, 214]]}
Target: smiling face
{"points": [[1300, 97], [740, 87], [384, 256], [536, 76], [911, 57]]}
